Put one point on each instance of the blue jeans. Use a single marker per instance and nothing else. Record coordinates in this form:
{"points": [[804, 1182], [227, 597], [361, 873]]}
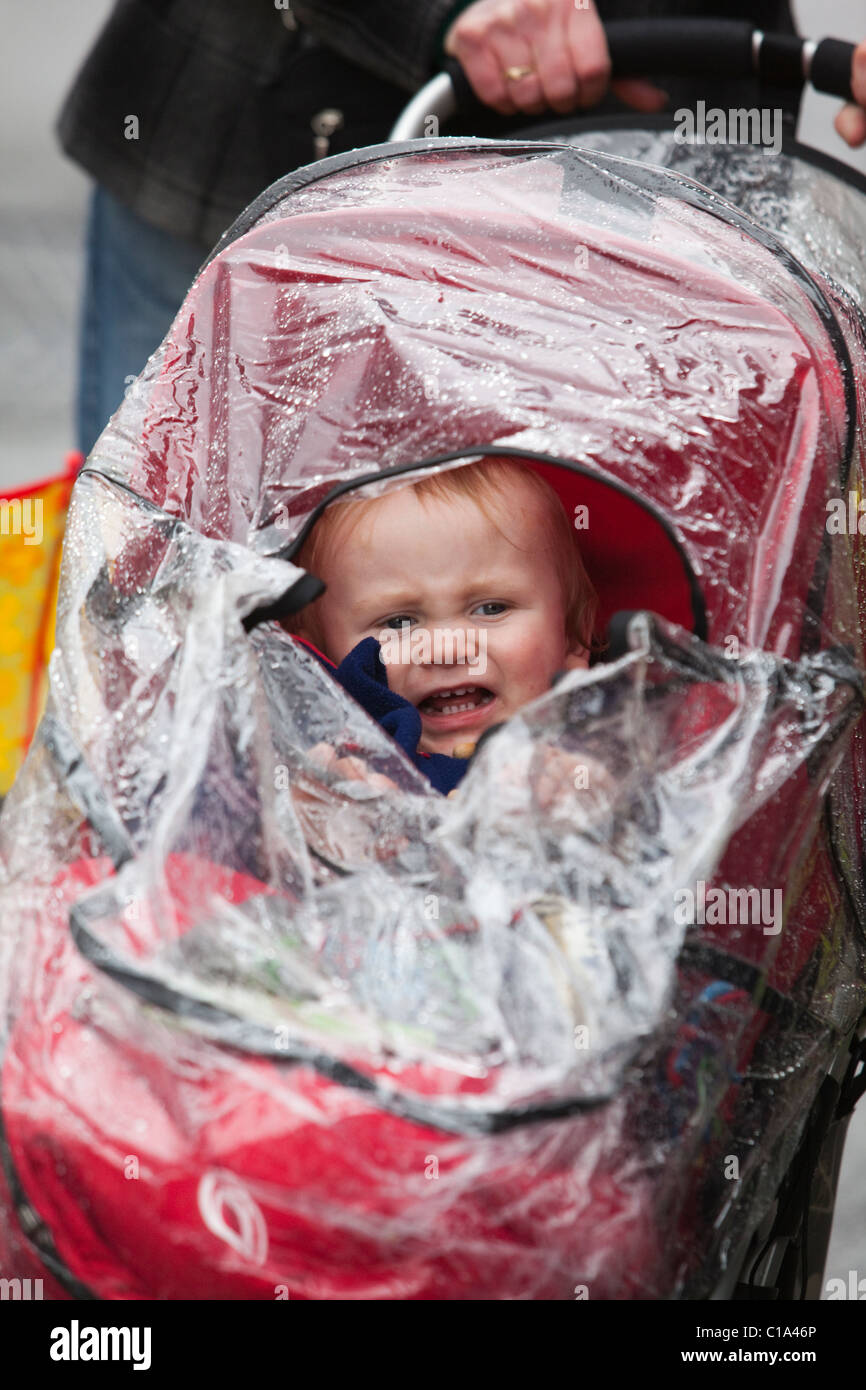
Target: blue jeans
{"points": [[136, 277]]}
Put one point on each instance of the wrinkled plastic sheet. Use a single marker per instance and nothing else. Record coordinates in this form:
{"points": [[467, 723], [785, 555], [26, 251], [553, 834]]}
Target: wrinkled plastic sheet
{"points": [[815, 211], [393, 1044]]}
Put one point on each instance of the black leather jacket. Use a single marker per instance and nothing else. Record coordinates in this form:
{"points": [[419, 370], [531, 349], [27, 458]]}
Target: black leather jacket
{"points": [[186, 109]]}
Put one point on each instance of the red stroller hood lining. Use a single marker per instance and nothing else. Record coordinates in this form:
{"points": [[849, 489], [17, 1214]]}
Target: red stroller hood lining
{"points": [[632, 560]]}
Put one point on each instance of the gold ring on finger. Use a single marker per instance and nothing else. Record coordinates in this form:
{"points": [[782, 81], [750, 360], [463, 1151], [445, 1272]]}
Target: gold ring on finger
{"points": [[517, 74]]}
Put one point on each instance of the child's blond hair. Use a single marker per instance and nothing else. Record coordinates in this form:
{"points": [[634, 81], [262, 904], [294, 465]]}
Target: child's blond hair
{"points": [[484, 483]]}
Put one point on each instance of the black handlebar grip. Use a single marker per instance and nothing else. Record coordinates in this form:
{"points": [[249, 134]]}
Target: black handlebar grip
{"points": [[712, 48], [680, 47], [464, 94], [831, 68], [781, 60], [683, 47]]}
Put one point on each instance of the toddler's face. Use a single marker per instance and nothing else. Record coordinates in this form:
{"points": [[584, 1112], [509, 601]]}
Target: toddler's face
{"points": [[440, 566]]}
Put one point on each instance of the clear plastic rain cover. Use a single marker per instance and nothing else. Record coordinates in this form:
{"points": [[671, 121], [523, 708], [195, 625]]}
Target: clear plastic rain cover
{"points": [[267, 1027]]}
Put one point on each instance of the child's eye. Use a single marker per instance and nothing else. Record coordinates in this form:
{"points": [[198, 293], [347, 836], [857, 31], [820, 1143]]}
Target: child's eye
{"points": [[401, 620], [494, 604]]}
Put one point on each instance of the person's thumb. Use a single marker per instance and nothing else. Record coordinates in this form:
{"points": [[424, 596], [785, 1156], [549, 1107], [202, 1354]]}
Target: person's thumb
{"points": [[643, 96], [850, 123]]}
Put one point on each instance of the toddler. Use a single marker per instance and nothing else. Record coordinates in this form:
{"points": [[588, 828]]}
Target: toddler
{"points": [[479, 566]]}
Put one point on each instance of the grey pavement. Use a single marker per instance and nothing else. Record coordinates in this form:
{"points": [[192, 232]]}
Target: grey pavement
{"points": [[42, 200]]}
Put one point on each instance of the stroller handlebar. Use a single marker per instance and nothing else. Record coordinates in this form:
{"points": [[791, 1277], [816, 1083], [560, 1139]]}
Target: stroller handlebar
{"points": [[692, 48]]}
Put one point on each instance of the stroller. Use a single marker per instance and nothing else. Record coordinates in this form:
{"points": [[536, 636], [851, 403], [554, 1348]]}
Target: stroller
{"points": [[480, 1046]]}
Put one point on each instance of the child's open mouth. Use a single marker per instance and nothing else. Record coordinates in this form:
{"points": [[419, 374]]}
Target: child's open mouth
{"points": [[458, 704]]}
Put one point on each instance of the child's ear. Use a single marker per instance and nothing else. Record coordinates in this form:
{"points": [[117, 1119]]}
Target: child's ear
{"points": [[577, 658]]}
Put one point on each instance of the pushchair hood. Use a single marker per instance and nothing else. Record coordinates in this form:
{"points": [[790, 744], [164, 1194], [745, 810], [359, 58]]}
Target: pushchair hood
{"points": [[422, 305]]}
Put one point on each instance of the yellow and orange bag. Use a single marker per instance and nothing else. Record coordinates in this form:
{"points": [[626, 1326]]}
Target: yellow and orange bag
{"points": [[32, 522]]}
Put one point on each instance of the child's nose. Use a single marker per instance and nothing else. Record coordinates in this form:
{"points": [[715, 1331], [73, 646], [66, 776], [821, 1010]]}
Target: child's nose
{"points": [[453, 644]]}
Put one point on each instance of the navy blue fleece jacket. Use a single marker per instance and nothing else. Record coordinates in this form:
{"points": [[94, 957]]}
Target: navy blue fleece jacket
{"points": [[365, 677]]}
